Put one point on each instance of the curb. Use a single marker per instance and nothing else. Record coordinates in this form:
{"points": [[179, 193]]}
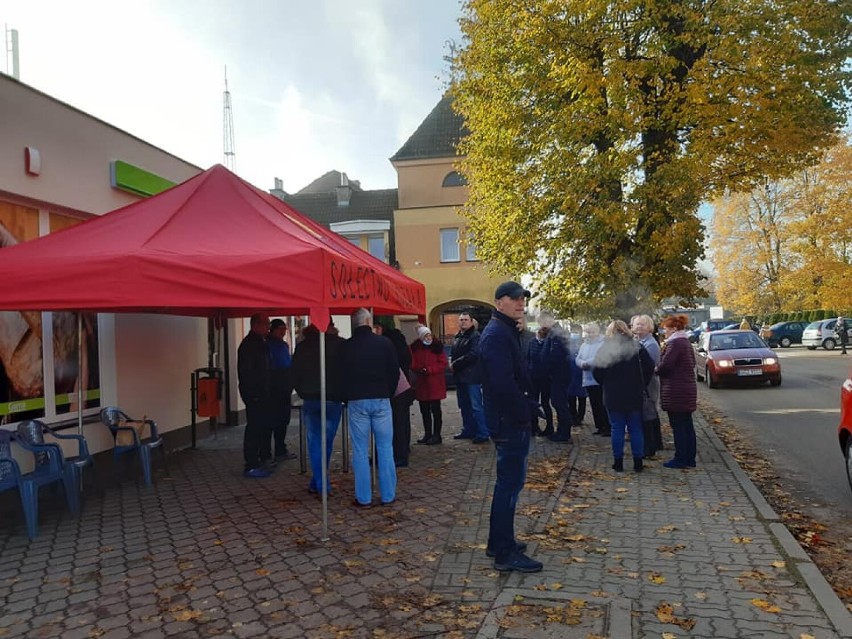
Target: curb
{"points": [[822, 592]]}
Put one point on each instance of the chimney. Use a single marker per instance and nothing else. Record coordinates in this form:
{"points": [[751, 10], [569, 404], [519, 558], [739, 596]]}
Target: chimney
{"points": [[344, 191], [278, 190], [279, 184]]}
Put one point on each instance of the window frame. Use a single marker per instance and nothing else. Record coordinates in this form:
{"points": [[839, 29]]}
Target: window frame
{"points": [[444, 258]]}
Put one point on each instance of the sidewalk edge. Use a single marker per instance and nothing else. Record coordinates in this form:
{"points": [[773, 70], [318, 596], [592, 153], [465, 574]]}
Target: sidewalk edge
{"points": [[815, 581]]}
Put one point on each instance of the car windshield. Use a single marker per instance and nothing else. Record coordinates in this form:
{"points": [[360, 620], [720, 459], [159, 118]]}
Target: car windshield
{"points": [[734, 341]]}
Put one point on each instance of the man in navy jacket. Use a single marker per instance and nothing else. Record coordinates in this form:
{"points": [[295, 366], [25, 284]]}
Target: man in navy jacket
{"points": [[507, 391]]}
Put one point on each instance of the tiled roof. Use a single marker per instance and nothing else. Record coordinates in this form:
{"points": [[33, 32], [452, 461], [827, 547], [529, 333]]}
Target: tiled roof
{"points": [[437, 136], [328, 182], [378, 204]]}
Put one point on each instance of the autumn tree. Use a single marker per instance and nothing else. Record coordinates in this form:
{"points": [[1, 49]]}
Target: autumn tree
{"points": [[787, 245], [598, 127]]}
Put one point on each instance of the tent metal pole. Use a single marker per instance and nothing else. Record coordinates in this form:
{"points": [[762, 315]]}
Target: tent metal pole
{"points": [[80, 372], [323, 445]]}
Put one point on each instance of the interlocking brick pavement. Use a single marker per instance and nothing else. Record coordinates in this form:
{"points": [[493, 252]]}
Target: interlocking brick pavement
{"points": [[207, 553]]}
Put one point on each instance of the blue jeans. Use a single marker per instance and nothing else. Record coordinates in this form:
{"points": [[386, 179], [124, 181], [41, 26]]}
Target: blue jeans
{"points": [[632, 421], [374, 415], [684, 438], [512, 449], [313, 422], [473, 414]]}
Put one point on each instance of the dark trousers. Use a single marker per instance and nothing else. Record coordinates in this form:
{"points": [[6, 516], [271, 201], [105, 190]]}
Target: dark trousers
{"points": [[559, 399], [432, 418], [279, 421], [257, 432], [512, 450], [577, 406], [541, 394], [598, 411], [400, 408], [652, 436], [684, 438]]}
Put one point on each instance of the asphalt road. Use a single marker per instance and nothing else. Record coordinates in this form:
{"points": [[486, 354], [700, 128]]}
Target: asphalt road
{"points": [[795, 425]]}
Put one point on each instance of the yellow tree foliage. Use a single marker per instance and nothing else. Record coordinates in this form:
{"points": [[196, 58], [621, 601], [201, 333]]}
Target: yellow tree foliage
{"points": [[598, 127], [787, 245]]}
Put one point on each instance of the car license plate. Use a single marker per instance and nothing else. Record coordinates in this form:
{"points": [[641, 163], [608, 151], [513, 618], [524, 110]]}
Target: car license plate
{"points": [[748, 372]]}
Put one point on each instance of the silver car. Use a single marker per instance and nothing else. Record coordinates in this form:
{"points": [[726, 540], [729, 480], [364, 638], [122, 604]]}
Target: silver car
{"points": [[820, 333]]}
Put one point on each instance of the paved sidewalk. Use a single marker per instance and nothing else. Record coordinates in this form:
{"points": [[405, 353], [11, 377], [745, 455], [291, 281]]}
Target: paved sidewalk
{"points": [[206, 553]]}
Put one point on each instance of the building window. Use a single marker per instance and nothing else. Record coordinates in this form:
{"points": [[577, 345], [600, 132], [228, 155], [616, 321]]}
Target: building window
{"points": [[354, 239], [470, 250], [450, 245], [454, 178], [377, 247]]}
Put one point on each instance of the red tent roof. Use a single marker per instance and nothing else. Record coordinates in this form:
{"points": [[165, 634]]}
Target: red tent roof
{"points": [[214, 245]]}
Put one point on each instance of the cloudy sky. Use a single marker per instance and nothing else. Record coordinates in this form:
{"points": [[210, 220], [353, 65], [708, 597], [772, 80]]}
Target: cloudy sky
{"points": [[315, 86]]}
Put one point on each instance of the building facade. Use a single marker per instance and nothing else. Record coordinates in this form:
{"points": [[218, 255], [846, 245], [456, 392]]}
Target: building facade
{"points": [[58, 167]]}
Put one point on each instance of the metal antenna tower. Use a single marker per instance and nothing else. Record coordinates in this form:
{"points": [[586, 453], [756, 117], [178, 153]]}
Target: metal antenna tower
{"points": [[12, 68], [228, 129]]}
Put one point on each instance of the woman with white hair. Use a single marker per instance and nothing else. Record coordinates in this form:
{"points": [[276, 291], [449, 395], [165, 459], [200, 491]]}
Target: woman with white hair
{"points": [[428, 363], [643, 330], [592, 341]]}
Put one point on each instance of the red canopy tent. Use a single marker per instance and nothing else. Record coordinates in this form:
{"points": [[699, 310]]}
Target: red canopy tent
{"points": [[213, 246]]}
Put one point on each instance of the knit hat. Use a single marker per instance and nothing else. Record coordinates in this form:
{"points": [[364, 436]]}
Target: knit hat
{"points": [[423, 331]]}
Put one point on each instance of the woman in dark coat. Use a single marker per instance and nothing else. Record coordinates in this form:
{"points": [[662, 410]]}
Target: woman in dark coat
{"points": [[678, 389], [428, 363], [623, 369]]}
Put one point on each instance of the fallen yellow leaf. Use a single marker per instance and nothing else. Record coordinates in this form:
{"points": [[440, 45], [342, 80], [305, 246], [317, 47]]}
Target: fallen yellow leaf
{"points": [[741, 540], [666, 529], [765, 605], [656, 578], [669, 635], [780, 564], [262, 572]]}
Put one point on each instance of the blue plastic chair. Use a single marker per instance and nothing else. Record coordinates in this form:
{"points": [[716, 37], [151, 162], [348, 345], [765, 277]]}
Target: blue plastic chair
{"points": [[34, 430], [10, 477], [115, 419], [49, 468]]}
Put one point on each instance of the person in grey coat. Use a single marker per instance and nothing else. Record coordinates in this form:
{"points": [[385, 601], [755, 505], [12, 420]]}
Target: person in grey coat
{"points": [[643, 331]]}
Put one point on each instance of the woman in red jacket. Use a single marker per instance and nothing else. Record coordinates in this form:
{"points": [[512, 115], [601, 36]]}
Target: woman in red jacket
{"points": [[678, 390], [428, 363]]}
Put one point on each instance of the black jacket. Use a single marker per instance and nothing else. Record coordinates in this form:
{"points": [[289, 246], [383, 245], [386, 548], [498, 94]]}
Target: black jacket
{"points": [[623, 368], [305, 369], [253, 368], [369, 366], [465, 357], [403, 353], [506, 384]]}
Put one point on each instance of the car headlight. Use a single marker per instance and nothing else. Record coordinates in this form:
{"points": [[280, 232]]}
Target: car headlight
{"points": [[770, 360], [724, 363]]}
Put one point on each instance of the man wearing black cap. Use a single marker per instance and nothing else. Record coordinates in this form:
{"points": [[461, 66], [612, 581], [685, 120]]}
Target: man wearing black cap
{"points": [[507, 391]]}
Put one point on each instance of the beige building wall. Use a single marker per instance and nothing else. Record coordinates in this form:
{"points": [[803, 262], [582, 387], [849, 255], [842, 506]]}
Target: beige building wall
{"points": [[145, 360], [426, 207]]}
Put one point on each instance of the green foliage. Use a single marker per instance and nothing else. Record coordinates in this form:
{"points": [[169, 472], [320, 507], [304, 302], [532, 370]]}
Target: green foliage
{"points": [[597, 127]]}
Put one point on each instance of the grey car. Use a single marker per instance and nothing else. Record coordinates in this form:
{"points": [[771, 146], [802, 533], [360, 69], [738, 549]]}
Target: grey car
{"points": [[820, 333]]}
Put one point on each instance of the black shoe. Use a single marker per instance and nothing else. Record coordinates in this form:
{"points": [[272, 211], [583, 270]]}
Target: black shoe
{"points": [[401, 464], [424, 440], [463, 436], [603, 433], [518, 562], [548, 432], [637, 465], [479, 440], [520, 547], [285, 456], [618, 465], [434, 439], [559, 437]]}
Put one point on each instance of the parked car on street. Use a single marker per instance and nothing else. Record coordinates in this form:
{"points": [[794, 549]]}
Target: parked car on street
{"points": [[783, 334], [844, 429], [735, 357], [820, 333], [706, 326]]}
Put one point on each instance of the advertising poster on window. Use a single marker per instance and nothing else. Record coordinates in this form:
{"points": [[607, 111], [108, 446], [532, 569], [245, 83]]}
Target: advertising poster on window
{"points": [[21, 363], [68, 371]]}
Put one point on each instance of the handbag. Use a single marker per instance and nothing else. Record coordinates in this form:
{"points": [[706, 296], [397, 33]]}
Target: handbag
{"points": [[402, 384]]}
